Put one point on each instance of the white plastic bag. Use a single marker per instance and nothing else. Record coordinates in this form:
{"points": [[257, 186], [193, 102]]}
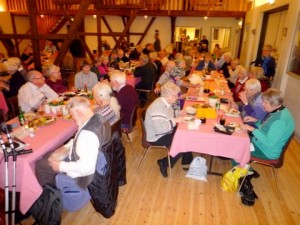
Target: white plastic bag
{"points": [[198, 169]]}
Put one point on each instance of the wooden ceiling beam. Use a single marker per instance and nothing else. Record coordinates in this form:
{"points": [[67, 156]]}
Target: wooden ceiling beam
{"points": [[73, 31], [133, 14], [125, 12], [146, 30]]}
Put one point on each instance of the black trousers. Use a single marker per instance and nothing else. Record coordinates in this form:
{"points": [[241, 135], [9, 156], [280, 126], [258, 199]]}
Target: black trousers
{"points": [[166, 140]]}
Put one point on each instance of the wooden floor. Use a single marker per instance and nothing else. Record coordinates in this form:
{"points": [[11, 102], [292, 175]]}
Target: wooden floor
{"points": [[149, 198]]}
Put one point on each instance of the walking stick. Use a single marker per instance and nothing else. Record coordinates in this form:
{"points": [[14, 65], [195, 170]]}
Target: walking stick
{"points": [[6, 178], [14, 153]]}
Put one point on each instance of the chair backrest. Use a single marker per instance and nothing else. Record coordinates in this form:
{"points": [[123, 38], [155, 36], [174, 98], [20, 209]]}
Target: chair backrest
{"points": [[145, 143], [132, 118], [116, 127], [277, 163], [280, 161]]}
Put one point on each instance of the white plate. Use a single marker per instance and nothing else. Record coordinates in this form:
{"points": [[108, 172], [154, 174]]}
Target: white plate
{"points": [[188, 119]]}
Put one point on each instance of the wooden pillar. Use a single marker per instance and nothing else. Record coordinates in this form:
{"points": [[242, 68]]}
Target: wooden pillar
{"points": [[31, 5], [99, 34], [173, 23]]}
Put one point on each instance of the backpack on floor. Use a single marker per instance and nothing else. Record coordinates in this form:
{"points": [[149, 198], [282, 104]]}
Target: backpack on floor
{"points": [[48, 208]]}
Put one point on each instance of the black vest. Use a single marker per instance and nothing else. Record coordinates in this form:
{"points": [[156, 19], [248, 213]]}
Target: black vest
{"points": [[99, 126]]}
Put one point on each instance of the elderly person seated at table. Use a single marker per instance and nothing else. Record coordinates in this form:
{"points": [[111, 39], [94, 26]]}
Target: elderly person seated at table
{"points": [[240, 84], [106, 104], [206, 63], [146, 71], [225, 63], [160, 125], [251, 100], [274, 130], [126, 95], [233, 72], [85, 79], [258, 73], [54, 79], [15, 81], [76, 161], [103, 67], [50, 47], [32, 94]]}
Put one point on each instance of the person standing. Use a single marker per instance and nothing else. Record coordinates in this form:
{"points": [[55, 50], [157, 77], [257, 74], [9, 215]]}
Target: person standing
{"points": [[267, 62], [156, 43]]}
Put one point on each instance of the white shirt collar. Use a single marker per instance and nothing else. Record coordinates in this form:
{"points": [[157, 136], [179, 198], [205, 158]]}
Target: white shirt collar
{"points": [[243, 81], [165, 101]]}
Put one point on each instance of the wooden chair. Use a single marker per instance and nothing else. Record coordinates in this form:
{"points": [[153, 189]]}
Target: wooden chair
{"points": [[128, 130], [146, 93], [147, 146], [273, 163]]}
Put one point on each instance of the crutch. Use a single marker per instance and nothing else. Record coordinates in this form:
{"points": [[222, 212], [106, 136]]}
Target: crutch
{"points": [[14, 153], [6, 154]]}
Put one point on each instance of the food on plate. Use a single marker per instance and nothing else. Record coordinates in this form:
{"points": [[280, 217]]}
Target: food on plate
{"points": [[233, 124], [42, 121], [190, 110], [30, 116], [69, 94], [67, 117], [197, 106], [233, 111], [188, 119], [56, 102]]}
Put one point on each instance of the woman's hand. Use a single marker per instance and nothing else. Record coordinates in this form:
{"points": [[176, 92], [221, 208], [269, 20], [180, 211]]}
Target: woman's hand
{"points": [[177, 119], [243, 97], [247, 127], [249, 119]]}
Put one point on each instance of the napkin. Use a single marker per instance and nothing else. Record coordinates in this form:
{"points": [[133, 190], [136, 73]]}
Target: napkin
{"points": [[195, 125], [195, 79]]}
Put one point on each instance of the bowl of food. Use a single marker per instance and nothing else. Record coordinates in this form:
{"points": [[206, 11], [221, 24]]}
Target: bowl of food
{"points": [[190, 110]]}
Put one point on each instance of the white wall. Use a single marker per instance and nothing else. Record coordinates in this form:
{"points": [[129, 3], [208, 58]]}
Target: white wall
{"points": [[288, 84]]}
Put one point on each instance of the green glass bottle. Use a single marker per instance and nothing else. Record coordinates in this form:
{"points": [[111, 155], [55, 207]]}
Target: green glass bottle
{"points": [[21, 117]]}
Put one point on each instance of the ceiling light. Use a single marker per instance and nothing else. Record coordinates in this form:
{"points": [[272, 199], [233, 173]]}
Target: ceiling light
{"points": [[205, 17], [271, 2], [42, 16], [94, 16], [145, 16]]}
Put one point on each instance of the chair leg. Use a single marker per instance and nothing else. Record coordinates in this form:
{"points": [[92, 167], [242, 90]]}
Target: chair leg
{"points": [[130, 142], [275, 175], [143, 157], [169, 161]]}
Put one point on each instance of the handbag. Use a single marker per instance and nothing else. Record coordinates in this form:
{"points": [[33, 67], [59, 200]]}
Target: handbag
{"points": [[230, 180]]}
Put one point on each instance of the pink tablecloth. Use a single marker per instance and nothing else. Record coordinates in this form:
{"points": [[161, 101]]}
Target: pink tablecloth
{"points": [[131, 80], [3, 104], [46, 139], [207, 141]]}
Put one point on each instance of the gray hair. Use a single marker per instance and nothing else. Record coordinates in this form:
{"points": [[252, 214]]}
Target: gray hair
{"points": [[104, 91], [258, 71], [170, 65], [11, 66], [253, 84], [48, 69], [31, 74], [169, 88], [144, 58], [118, 76], [273, 96], [78, 102], [15, 60]]}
